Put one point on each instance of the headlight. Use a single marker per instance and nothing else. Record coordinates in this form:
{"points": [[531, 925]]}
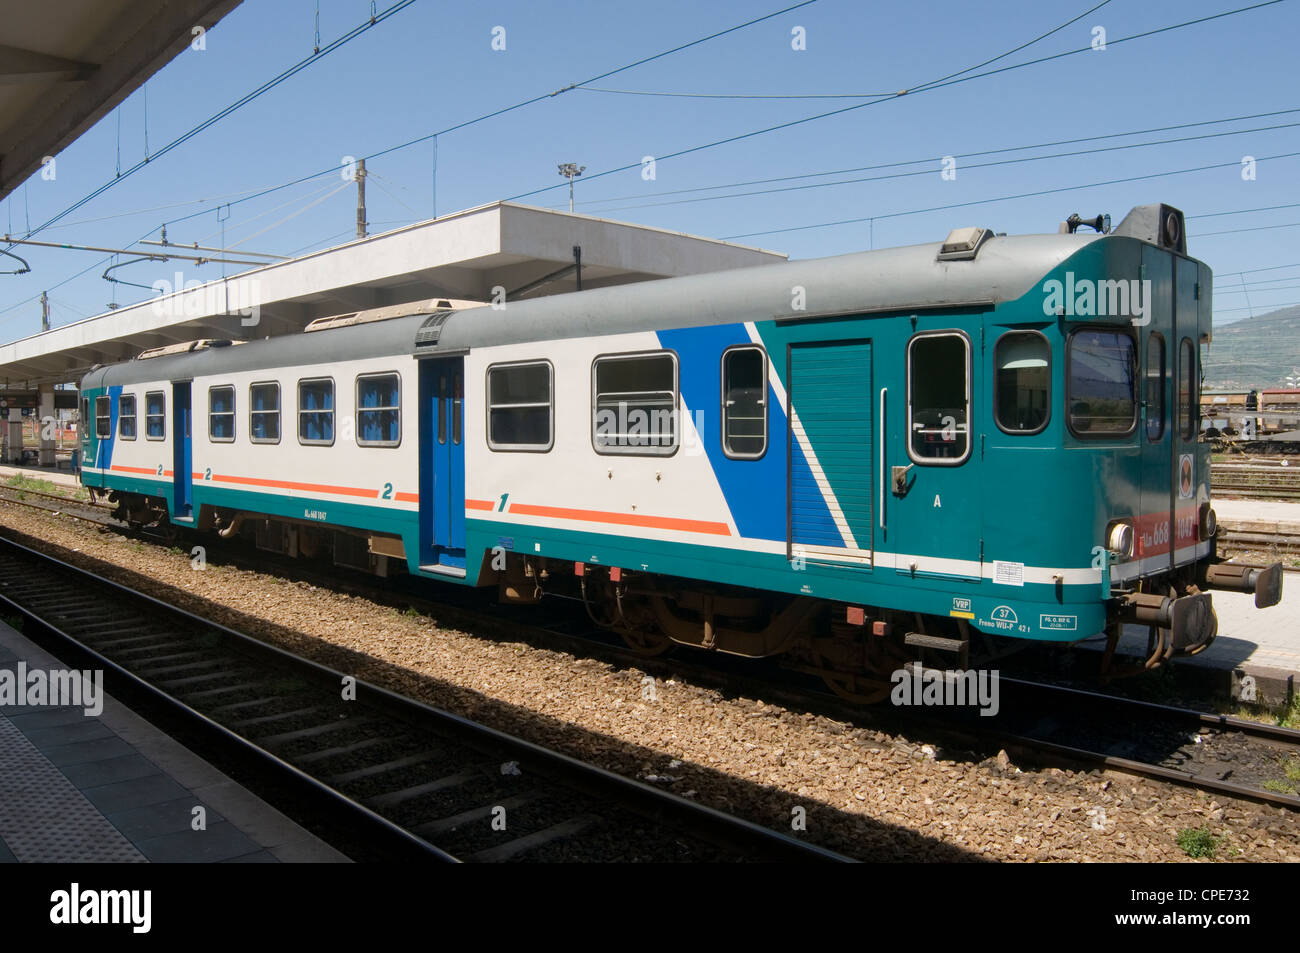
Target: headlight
{"points": [[1120, 539], [1209, 521]]}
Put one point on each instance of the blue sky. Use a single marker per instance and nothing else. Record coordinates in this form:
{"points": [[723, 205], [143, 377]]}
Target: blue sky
{"points": [[432, 65]]}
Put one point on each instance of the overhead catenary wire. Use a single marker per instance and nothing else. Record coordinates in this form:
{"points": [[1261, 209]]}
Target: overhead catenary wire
{"points": [[221, 114], [977, 165], [922, 88], [292, 215], [375, 18], [1236, 231], [1000, 56], [1002, 198], [464, 124], [936, 158]]}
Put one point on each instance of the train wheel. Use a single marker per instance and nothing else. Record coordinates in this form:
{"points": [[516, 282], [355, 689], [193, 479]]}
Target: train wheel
{"points": [[644, 642], [858, 689]]}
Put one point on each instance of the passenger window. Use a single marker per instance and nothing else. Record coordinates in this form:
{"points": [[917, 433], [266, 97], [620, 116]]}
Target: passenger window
{"points": [[264, 413], [938, 398], [126, 416], [1102, 383], [520, 406], [457, 408], [1155, 387], [634, 404], [221, 414], [85, 416], [155, 415], [442, 407], [379, 410], [1021, 395], [1187, 409], [102, 419], [744, 402], [316, 412]]}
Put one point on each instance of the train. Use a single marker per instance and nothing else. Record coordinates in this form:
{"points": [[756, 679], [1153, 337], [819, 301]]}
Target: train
{"points": [[932, 454]]}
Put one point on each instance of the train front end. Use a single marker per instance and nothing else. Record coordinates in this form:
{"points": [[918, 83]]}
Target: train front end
{"points": [[1136, 312]]}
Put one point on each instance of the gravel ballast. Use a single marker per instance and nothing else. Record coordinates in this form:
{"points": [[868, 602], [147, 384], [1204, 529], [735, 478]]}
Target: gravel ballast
{"points": [[867, 793]]}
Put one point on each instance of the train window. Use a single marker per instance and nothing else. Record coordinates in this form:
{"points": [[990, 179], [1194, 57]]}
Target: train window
{"points": [[221, 414], [1101, 387], [938, 398], [126, 416], [85, 416], [457, 408], [1021, 396], [102, 418], [521, 406], [442, 407], [316, 411], [155, 415], [1155, 387], [264, 412], [744, 402], [1187, 403], [634, 404], [379, 410]]}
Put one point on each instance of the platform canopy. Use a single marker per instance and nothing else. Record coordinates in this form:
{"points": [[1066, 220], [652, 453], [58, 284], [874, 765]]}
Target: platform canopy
{"points": [[64, 64], [521, 250]]}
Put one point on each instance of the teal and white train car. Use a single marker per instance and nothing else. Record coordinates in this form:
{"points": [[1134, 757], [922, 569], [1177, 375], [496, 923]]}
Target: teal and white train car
{"points": [[857, 460]]}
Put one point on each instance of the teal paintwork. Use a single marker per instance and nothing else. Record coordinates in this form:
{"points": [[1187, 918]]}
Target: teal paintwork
{"points": [[1042, 500]]}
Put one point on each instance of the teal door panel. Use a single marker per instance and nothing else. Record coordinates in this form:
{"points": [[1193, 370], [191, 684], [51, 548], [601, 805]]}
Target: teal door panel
{"points": [[831, 449]]}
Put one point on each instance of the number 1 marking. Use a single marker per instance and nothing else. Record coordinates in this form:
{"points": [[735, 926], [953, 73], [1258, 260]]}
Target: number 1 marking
{"points": [[502, 507]]}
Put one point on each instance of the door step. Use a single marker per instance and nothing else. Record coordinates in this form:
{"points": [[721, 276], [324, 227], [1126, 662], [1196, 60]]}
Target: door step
{"points": [[457, 571]]}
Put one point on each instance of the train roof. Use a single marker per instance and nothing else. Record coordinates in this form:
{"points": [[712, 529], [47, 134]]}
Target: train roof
{"points": [[916, 277]]}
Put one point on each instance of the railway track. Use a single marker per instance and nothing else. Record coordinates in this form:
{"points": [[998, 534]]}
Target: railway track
{"points": [[420, 781], [1257, 480], [1216, 753], [1177, 745]]}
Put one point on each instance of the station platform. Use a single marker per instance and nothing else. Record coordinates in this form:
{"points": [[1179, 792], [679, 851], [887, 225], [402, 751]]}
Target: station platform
{"points": [[112, 788], [1275, 516], [58, 475]]}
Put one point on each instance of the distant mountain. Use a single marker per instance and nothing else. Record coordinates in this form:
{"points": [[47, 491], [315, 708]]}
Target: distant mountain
{"points": [[1256, 352]]}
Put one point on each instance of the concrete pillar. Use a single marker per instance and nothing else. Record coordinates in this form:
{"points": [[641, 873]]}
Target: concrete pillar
{"points": [[47, 423], [15, 435]]}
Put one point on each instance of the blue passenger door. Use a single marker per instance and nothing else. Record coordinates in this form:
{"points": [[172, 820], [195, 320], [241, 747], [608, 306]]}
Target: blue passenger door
{"points": [[182, 452], [442, 465]]}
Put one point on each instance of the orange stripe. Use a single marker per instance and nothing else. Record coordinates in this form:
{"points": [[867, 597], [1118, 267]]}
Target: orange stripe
{"points": [[289, 485], [168, 473], [623, 519], [407, 497], [479, 505], [121, 469]]}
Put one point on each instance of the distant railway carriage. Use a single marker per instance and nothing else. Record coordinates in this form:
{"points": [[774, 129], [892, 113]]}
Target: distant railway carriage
{"points": [[854, 461]]}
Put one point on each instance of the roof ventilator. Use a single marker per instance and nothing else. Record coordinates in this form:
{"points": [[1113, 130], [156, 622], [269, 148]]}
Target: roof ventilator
{"points": [[426, 339], [963, 244], [185, 348]]}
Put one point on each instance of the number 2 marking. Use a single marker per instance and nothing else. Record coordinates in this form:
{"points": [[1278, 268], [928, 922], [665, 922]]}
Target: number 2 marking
{"points": [[207, 473], [160, 469], [502, 507], [388, 492]]}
